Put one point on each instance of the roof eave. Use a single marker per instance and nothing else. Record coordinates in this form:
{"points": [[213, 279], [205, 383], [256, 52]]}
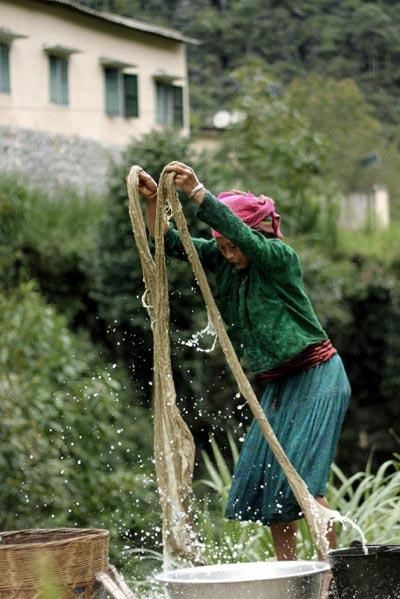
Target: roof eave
{"points": [[125, 22]]}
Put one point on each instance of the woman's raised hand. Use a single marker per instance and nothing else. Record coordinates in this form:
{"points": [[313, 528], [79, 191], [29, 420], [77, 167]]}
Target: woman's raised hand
{"points": [[186, 179], [147, 186]]}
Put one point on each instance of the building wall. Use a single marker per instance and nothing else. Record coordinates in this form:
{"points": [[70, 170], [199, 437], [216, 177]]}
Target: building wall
{"points": [[361, 210], [28, 106]]}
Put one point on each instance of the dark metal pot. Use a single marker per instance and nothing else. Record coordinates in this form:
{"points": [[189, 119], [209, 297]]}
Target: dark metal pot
{"points": [[371, 575]]}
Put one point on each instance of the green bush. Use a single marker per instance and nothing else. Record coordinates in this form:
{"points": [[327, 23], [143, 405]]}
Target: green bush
{"points": [[274, 150], [82, 255], [75, 445], [50, 239]]}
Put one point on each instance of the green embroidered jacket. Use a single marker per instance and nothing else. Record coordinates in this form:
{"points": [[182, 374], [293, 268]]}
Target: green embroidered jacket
{"points": [[268, 315]]}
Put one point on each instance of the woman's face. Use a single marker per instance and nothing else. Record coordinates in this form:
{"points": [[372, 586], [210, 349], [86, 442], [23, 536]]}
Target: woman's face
{"points": [[232, 253]]}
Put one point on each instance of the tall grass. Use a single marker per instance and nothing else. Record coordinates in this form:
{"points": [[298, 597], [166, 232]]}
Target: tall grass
{"points": [[379, 244], [369, 499]]}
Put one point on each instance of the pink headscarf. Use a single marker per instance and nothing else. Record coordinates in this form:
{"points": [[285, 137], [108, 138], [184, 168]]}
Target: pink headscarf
{"points": [[258, 212]]}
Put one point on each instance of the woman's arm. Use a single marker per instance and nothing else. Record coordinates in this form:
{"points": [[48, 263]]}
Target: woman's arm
{"points": [[264, 253], [205, 248]]}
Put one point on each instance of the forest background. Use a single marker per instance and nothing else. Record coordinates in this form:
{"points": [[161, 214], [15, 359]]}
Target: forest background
{"points": [[316, 86]]}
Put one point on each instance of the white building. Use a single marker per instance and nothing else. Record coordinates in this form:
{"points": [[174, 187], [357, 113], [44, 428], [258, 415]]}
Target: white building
{"points": [[362, 210], [67, 71]]}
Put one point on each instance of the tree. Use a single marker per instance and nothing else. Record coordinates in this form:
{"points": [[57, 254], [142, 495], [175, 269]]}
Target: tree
{"points": [[273, 149], [337, 111], [359, 152]]}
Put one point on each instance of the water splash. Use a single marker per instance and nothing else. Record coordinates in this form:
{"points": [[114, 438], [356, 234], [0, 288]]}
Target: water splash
{"points": [[196, 337], [344, 520], [326, 516]]}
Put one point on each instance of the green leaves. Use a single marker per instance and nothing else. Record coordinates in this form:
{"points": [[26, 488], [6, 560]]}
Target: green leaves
{"points": [[75, 445], [274, 150], [371, 500]]}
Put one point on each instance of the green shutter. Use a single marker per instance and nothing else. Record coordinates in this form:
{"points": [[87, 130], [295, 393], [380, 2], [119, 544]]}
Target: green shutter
{"points": [[169, 105], [58, 84], [63, 74], [178, 106], [131, 103], [112, 91], [4, 68], [160, 103], [53, 79]]}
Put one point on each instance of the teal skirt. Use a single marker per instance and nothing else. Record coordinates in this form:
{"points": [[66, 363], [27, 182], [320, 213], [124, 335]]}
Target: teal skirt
{"points": [[306, 412]]}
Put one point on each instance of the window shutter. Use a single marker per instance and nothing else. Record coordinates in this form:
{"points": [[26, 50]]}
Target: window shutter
{"points": [[4, 68], [112, 96], [53, 79], [58, 80], [178, 106], [63, 76], [169, 105], [161, 101], [131, 103]]}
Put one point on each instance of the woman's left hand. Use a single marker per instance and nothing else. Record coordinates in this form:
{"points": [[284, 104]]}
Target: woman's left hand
{"points": [[186, 179]]}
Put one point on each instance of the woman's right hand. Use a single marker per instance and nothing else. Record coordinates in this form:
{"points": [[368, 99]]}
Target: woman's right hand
{"points": [[147, 186]]}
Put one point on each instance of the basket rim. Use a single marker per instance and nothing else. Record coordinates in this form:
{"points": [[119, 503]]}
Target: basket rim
{"points": [[81, 533]]}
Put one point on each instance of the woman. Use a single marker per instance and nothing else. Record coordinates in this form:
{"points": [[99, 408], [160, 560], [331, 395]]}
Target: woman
{"points": [[273, 327]]}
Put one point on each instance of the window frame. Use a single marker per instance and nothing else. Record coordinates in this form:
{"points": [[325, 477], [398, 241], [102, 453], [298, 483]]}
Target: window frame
{"points": [[169, 103], [58, 72], [7, 38], [125, 102], [5, 73]]}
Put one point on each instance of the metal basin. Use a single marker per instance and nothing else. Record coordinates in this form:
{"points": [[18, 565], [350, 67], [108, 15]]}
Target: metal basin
{"points": [[258, 580]]}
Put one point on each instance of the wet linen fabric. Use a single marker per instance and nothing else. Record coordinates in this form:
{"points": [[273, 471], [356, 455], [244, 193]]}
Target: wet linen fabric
{"points": [[306, 412]]}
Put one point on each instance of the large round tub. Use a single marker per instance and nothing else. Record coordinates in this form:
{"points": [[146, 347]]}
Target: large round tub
{"points": [[299, 579]]}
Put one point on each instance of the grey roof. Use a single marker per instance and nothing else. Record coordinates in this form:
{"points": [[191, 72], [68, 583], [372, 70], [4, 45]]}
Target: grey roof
{"points": [[125, 22]]}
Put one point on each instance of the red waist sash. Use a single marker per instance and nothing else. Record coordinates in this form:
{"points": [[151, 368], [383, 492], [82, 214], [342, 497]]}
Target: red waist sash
{"points": [[311, 356]]}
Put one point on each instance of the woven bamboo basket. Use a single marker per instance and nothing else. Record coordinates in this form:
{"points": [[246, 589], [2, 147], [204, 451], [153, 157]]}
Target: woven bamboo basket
{"points": [[66, 559]]}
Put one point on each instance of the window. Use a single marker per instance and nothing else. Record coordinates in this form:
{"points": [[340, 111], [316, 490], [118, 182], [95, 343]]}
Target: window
{"points": [[121, 93], [4, 68], [169, 100], [58, 80]]}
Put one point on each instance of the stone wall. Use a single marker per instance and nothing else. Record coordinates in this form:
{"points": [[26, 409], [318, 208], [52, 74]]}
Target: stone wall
{"points": [[53, 161]]}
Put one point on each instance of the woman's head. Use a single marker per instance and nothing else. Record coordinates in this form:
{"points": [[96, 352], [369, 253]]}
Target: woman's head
{"points": [[232, 253], [258, 212]]}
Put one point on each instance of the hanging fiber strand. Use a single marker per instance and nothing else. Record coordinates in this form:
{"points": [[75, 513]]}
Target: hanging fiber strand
{"points": [[317, 516], [174, 449]]}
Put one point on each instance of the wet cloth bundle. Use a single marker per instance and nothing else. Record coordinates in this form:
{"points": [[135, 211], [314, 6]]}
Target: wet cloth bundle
{"points": [[174, 449]]}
